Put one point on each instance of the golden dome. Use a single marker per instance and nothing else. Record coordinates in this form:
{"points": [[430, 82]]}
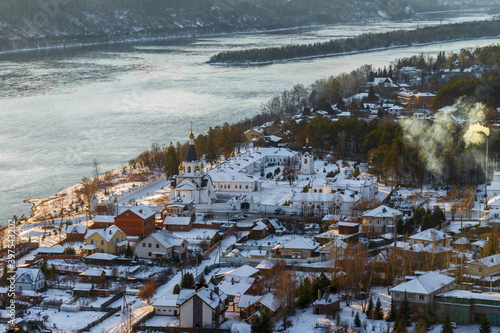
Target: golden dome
{"points": [[191, 135], [196, 168], [202, 166], [232, 154], [180, 167]]}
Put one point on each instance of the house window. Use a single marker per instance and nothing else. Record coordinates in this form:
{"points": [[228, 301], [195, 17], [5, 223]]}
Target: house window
{"points": [[111, 241], [102, 242], [421, 297], [149, 254], [92, 241], [246, 186], [396, 295], [420, 308], [157, 246], [102, 250], [149, 244], [189, 169], [143, 244]]}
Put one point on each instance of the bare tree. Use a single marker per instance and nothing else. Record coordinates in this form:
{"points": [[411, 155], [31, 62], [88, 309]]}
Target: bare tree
{"points": [[96, 168]]}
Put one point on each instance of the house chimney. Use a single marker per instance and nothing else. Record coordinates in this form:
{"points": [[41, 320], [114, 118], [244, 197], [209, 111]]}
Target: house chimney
{"points": [[319, 294], [216, 290]]}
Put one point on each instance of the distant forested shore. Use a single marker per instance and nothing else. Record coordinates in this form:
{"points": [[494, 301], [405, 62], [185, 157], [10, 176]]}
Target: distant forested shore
{"points": [[361, 43]]}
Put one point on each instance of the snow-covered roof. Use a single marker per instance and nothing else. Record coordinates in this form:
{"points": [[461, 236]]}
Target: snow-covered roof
{"points": [[221, 176], [82, 286], [76, 229], [57, 249], [177, 220], [209, 296], [244, 271], [104, 219], [102, 256], [383, 211], [462, 241], [424, 284], [169, 300], [90, 247], [259, 226], [348, 224], [107, 233], [265, 264], [31, 274], [166, 238], [448, 109], [430, 235], [246, 300], [92, 272], [142, 211], [299, 243], [327, 299], [269, 301], [490, 261], [236, 285], [466, 294], [179, 200], [257, 253]]}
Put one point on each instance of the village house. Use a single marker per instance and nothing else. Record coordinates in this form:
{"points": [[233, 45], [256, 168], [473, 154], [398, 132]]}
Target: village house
{"points": [[234, 181], [178, 223], [415, 100], [250, 305], [297, 248], [136, 221], [431, 236], [254, 134], [420, 291], [111, 240], [380, 220], [93, 276], [76, 233], [485, 267], [162, 245], [344, 202], [29, 279], [102, 221], [178, 206], [259, 230], [3, 297], [326, 304], [105, 259], [204, 309]]}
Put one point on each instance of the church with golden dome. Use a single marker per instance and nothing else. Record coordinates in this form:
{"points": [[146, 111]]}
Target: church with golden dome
{"points": [[192, 182]]}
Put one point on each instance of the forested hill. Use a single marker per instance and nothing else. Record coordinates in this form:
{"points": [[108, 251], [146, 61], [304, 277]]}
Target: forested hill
{"points": [[28, 23], [364, 42]]}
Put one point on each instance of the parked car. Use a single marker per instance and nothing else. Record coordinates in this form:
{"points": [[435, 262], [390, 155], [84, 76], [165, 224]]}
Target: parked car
{"points": [[279, 211], [293, 213], [239, 217]]}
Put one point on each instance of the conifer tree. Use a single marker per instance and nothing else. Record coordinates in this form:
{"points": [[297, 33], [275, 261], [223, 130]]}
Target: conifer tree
{"points": [[263, 323], [187, 281], [357, 321], [378, 312], [201, 280], [401, 325], [447, 324], [406, 311], [485, 325], [392, 315], [369, 309], [177, 289]]}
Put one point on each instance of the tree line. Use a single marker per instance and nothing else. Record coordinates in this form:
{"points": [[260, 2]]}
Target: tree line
{"points": [[364, 42]]}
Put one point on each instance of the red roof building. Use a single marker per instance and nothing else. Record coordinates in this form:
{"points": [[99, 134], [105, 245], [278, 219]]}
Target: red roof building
{"points": [[136, 221]]}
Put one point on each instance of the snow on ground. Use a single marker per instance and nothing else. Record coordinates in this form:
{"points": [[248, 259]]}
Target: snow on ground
{"points": [[61, 320], [162, 321]]}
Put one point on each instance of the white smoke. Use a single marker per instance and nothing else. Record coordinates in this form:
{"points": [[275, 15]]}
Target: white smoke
{"points": [[435, 137]]}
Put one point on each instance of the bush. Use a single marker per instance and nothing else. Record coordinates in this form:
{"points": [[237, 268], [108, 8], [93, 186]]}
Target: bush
{"points": [[269, 175]]}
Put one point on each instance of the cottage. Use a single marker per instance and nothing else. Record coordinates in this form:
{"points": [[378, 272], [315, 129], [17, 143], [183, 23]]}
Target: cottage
{"points": [[203, 309], [431, 236], [297, 248], [380, 220], [111, 240], [76, 233], [29, 279], [420, 291], [136, 221], [103, 221], [485, 266], [327, 304], [178, 206], [162, 245], [93, 276], [178, 223]]}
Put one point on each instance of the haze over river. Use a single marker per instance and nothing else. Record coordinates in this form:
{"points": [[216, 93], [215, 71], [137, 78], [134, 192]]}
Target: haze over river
{"points": [[61, 108]]}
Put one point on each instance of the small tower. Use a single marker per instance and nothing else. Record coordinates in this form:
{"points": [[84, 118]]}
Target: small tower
{"points": [[190, 162], [307, 160]]}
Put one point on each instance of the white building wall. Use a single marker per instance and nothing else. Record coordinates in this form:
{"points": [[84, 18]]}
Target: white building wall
{"points": [[207, 316], [186, 314]]}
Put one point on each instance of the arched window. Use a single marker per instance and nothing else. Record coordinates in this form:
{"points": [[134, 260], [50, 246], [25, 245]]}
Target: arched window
{"points": [[189, 169], [305, 160]]}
